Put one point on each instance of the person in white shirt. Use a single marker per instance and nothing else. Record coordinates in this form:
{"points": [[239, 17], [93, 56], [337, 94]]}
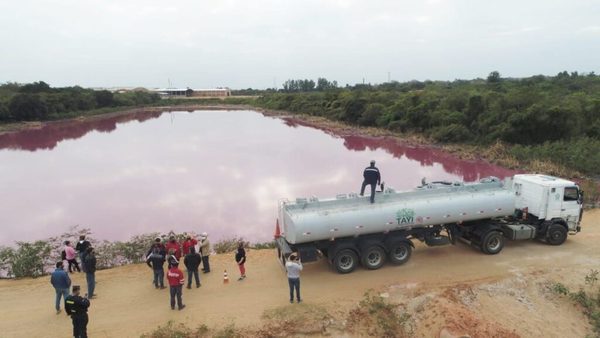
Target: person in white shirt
{"points": [[293, 267]]}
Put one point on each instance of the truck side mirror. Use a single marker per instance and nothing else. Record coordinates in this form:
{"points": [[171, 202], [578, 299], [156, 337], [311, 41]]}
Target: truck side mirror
{"points": [[580, 199]]}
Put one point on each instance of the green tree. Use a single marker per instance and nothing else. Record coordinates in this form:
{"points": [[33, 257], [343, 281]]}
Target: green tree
{"points": [[494, 77], [104, 98], [36, 87], [28, 107]]}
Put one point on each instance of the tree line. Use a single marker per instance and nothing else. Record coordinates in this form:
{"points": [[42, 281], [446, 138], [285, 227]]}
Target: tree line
{"points": [[38, 101], [553, 118]]}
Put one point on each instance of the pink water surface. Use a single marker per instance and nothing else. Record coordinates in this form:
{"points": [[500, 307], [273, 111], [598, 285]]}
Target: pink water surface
{"points": [[216, 171]]}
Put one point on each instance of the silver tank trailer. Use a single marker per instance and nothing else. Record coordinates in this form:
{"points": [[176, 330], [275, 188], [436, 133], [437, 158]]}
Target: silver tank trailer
{"points": [[307, 220]]}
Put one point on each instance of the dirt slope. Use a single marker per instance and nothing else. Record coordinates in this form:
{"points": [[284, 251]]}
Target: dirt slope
{"points": [[449, 290]]}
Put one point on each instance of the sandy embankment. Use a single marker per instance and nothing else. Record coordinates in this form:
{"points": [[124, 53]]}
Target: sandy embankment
{"points": [[453, 287]]}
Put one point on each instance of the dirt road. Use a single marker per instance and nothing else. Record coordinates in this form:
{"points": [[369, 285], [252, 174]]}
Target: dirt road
{"points": [[451, 289]]}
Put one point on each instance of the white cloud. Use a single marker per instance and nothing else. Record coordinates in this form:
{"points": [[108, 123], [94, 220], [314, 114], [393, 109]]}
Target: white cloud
{"points": [[247, 44]]}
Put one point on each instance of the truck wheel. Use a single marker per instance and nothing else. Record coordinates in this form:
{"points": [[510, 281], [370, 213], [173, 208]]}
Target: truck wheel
{"points": [[556, 234], [373, 258], [492, 243], [345, 261], [400, 252]]}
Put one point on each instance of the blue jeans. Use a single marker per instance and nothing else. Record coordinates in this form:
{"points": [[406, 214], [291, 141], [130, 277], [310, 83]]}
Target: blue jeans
{"points": [[176, 293], [159, 278], [373, 186], [91, 283], [81, 254], [61, 293], [196, 277], [294, 284]]}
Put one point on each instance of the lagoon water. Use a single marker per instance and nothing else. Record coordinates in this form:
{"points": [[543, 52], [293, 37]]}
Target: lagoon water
{"points": [[216, 171]]}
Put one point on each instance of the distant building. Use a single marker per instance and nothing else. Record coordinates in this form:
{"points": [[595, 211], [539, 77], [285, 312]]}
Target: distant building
{"points": [[188, 92]]}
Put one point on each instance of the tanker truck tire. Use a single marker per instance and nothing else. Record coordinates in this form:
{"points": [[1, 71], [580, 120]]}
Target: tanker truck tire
{"points": [[556, 234], [400, 252], [492, 243], [345, 261], [373, 258]]}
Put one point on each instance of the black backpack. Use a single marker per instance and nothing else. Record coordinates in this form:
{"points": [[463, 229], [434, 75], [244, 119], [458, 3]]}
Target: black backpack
{"points": [[63, 255]]}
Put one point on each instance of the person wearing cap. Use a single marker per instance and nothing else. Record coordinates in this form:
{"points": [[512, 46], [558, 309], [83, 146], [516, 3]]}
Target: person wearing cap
{"points": [[187, 244], [172, 244], [205, 252], [90, 271], [77, 307], [293, 267], [61, 282], [371, 177], [157, 245], [176, 280]]}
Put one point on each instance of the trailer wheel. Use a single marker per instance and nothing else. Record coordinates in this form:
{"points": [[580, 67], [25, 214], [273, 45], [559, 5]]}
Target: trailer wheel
{"points": [[345, 261], [556, 234], [373, 258], [400, 252], [492, 243]]}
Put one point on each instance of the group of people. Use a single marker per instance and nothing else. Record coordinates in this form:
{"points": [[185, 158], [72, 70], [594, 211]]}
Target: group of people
{"points": [[159, 253], [171, 253], [75, 305]]}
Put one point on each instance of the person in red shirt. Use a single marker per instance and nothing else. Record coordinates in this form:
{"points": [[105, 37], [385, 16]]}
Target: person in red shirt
{"points": [[176, 280], [173, 244], [189, 243]]}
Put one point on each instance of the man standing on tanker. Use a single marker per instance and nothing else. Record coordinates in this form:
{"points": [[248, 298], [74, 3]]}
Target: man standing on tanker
{"points": [[371, 177]]}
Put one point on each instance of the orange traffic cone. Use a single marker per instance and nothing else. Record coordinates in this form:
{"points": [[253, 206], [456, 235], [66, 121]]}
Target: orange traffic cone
{"points": [[225, 278], [277, 230]]}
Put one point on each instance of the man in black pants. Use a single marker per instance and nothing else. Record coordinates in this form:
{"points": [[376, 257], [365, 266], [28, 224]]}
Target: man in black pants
{"points": [[371, 177], [192, 262], [76, 307]]}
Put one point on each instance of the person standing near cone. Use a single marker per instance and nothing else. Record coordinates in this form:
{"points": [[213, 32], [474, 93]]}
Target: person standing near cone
{"points": [[240, 259], [192, 262], [205, 252]]}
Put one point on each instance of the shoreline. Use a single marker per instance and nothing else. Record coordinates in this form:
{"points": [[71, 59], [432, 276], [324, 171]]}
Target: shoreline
{"points": [[452, 289], [496, 154]]}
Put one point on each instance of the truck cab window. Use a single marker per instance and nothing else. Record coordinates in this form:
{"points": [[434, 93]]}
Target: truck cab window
{"points": [[571, 194]]}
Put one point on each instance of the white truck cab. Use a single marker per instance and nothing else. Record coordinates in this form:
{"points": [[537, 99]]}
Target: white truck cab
{"points": [[549, 198]]}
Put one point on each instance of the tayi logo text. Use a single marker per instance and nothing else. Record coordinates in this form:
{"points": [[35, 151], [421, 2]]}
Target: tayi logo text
{"points": [[405, 216]]}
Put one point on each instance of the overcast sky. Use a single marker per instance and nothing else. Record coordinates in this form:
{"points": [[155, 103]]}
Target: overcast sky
{"points": [[257, 43]]}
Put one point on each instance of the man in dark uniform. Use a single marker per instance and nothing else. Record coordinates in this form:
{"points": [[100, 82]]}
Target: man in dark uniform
{"points": [[371, 177], [76, 307]]}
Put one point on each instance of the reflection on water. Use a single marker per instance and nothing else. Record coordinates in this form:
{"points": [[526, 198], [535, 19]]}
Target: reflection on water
{"points": [[49, 135], [215, 171]]}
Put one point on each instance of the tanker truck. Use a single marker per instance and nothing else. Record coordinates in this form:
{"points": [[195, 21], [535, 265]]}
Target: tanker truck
{"points": [[348, 229]]}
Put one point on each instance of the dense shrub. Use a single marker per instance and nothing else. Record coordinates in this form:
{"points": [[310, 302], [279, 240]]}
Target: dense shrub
{"points": [[39, 101], [26, 260], [28, 107], [547, 118]]}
